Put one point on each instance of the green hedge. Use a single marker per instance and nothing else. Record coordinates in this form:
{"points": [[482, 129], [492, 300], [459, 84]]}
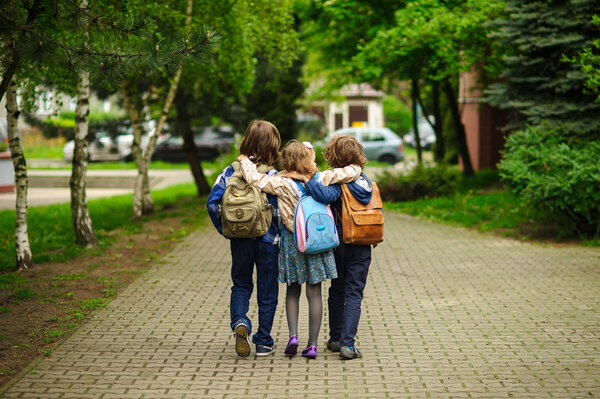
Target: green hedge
{"points": [[558, 177]]}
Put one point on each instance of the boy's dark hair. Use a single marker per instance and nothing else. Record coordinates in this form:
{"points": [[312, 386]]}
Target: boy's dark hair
{"points": [[261, 141], [344, 150]]}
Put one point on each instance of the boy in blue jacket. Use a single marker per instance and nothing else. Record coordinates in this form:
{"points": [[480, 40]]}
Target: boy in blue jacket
{"points": [[261, 142], [352, 261]]}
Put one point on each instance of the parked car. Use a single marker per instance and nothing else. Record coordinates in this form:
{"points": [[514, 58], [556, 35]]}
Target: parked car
{"points": [[426, 136], [379, 143], [210, 142], [102, 148]]}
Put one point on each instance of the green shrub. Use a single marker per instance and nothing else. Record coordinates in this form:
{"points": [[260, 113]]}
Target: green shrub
{"points": [[556, 177], [421, 182]]}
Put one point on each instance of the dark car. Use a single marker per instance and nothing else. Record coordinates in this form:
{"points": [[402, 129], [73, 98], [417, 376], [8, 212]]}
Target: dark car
{"points": [[210, 143]]}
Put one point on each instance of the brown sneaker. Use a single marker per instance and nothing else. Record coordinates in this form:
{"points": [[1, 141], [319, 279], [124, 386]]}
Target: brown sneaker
{"points": [[242, 345]]}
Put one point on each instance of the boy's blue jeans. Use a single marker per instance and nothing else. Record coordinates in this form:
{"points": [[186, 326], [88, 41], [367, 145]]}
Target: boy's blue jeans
{"points": [[346, 291], [245, 253]]}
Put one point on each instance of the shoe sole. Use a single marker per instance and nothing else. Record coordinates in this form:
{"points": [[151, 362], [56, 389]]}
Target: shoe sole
{"points": [[354, 356], [291, 350], [242, 347]]}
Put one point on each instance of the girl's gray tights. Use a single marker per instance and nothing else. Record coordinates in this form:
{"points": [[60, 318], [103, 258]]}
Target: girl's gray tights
{"points": [[315, 310]]}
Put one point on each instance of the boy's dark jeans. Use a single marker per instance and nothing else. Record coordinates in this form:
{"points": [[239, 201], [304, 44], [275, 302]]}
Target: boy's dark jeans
{"points": [[245, 252], [346, 291]]}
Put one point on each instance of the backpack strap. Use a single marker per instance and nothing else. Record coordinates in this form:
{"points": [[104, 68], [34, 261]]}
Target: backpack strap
{"points": [[264, 168], [301, 187]]}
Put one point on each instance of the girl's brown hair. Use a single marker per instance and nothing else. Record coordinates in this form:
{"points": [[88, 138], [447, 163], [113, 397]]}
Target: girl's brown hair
{"points": [[262, 141], [297, 157], [344, 150]]}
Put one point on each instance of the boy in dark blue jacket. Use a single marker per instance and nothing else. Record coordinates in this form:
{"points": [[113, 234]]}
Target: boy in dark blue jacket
{"points": [[261, 141], [352, 261]]}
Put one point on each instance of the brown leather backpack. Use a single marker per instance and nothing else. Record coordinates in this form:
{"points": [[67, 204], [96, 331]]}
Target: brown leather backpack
{"points": [[362, 224]]}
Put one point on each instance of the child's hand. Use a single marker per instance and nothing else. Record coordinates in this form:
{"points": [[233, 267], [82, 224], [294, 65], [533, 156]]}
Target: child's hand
{"points": [[242, 157], [297, 176]]}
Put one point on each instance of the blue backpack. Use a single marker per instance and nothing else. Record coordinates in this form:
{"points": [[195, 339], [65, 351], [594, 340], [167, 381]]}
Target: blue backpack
{"points": [[314, 226]]}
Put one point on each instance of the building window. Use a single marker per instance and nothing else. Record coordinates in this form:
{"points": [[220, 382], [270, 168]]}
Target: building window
{"points": [[359, 115]]}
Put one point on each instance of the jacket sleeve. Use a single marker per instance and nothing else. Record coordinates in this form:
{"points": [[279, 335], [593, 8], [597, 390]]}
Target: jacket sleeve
{"points": [[346, 174], [214, 200], [269, 184], [322, 193]]}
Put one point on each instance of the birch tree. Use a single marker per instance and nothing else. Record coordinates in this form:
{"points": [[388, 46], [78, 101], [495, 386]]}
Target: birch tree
{"points": [[144, 161], [134, 104], [23, 252]]}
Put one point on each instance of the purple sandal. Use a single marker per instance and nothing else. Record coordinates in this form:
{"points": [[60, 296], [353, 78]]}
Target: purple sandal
{"points": [[292, 347], [310, 352]]}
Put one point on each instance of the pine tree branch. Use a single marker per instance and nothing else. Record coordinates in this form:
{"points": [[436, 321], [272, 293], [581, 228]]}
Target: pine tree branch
{"points": [[100, 21]]}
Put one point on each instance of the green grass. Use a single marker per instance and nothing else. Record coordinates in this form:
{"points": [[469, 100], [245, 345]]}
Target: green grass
{"points": [[490, 211], [51, 235], [43, 151]]}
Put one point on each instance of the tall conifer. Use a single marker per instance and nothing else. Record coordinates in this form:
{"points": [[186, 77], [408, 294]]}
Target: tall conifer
{"points": [[538, 83]]}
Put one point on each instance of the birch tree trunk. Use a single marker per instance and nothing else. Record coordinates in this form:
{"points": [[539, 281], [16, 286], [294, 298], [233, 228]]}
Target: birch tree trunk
{"points": [[135, 115], [82, 223], [138, 190], [23, 252]]}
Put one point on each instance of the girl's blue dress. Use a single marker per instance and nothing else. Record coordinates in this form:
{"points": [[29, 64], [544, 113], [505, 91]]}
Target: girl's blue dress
{"points": [[296, 267]]}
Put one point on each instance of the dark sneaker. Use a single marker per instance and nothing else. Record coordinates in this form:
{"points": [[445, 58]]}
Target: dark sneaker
{"points": [[263, 350], [333, 346], [349, 352], [242, 345]]}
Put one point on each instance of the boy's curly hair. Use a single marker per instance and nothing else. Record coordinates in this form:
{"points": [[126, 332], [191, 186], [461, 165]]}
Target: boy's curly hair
{"points": [[297, 157], [262, 141], [344, 150]]}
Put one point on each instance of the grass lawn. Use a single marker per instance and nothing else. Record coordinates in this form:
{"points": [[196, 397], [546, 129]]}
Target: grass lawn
{"points": [[488, 211], [43, 151], [497, 211], [51, 233]]}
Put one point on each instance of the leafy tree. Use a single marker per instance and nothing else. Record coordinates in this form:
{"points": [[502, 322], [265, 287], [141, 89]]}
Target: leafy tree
{"points": [[256, 35], [64, 44], [410, 40]]}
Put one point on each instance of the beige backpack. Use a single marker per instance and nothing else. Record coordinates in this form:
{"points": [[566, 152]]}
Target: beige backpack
{"points": [[245, 209]]}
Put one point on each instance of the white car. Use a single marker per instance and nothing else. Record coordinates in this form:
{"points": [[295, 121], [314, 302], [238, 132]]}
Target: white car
{"points": [[379, 143], [426, 135], [102, 148]]}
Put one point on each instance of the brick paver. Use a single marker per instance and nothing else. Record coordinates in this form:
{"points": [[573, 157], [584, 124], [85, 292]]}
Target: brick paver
{"points": [[448, 313]]}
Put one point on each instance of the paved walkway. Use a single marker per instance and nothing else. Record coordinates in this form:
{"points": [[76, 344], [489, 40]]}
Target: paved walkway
{"points": [[448, 313]]}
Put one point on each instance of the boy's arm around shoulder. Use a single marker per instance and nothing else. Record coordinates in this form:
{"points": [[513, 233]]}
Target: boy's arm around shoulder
{"points": [[265, 182], [346, 174], [322, 193]]}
